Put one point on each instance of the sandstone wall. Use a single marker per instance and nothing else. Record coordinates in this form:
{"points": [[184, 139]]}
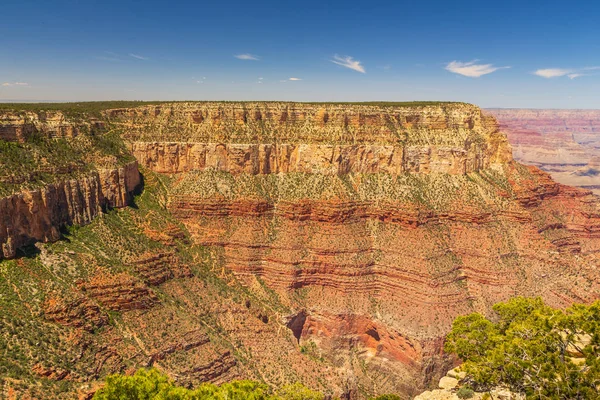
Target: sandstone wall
{"points": [[38, 215], [327, 139], [310, 158]]}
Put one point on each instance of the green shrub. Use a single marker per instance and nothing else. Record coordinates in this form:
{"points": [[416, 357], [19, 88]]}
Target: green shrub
{"points": [[465, 393], [150, 384], [387, 397], [531, 348]]}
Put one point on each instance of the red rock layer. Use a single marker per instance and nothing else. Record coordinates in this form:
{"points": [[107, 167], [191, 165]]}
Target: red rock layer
{"points": [[422, 265], [119, 292]]}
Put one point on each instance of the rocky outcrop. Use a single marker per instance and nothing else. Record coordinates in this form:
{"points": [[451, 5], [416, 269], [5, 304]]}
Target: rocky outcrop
{"points": [[78, 312], [213, 122], [38, 215], [119, 292]]}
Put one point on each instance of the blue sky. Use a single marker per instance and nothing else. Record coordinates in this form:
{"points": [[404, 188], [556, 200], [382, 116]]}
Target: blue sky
{"points": [[506, 54]]}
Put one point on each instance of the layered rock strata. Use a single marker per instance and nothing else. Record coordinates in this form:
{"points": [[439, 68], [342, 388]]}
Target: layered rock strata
{"points": [[329, 244], [38, 215], [382, 224], [565, 143]]}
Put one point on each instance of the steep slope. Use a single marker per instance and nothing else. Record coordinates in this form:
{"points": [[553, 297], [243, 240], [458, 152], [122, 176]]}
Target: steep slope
{"points": [[331, 244], [55, 171], [565, 143]]}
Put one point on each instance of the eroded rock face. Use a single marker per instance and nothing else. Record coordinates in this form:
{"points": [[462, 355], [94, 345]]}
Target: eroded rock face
{"points": [[565, 143], [378, 225], [214, 122], [17, 127], [38, 215], [287, 138], [357, 234], [310, 158]]}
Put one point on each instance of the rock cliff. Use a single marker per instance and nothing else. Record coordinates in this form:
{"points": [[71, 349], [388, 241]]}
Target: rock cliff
{"points": [[55, 176], [328, 244], [38, 215], [20, 125], [380, 223]]}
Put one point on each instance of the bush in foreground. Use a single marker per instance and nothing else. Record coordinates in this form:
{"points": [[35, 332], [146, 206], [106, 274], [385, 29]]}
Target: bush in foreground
{"points": [[150, 384], [532, 349]]}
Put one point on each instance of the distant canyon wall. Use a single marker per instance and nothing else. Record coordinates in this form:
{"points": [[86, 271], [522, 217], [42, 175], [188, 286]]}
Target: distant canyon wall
{"points": [[18, 126], [565, 143]]}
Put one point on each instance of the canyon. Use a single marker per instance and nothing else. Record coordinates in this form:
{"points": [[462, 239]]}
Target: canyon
{"points": [[331, 244], [564, 143]]}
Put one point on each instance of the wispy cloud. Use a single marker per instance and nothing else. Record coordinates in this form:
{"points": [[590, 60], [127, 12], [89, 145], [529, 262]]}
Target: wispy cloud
{"points": [[295, 79], [553, 72], [247, 56], [571, 73], [138, 56], [9, 84], [471, 69], [348, 62]]}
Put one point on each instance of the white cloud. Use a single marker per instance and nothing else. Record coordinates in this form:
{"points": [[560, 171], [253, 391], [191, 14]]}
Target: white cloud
{"points": [[247, 56], [9, 84], [471, 69], [553, 72], [571, 73], [138, 56], [295, 79], [348, 62]]}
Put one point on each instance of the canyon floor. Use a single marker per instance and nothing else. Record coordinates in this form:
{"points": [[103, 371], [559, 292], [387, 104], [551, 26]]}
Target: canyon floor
{"points": [[331, 244]]}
